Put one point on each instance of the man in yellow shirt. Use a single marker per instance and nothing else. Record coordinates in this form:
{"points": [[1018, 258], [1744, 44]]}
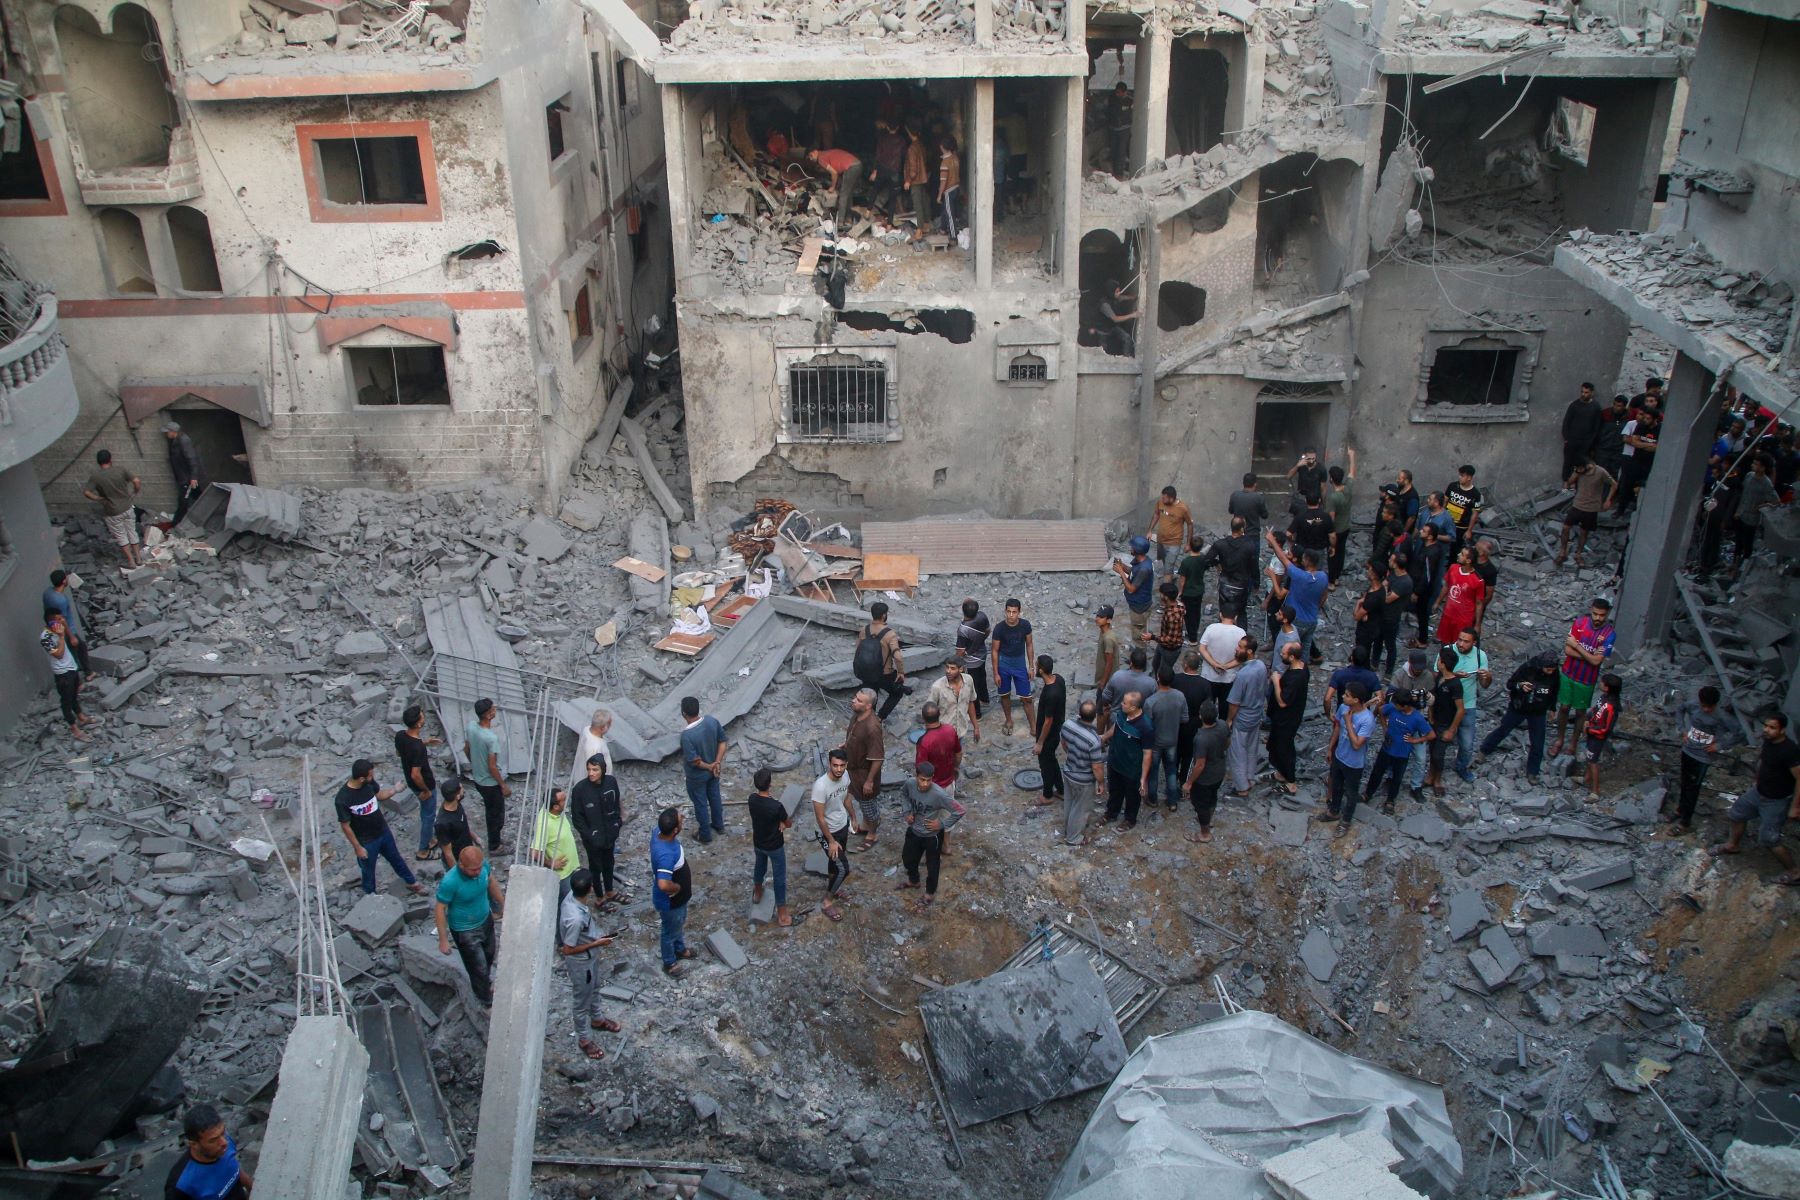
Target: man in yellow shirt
{"points": [[1170, 528], [553, 841]]}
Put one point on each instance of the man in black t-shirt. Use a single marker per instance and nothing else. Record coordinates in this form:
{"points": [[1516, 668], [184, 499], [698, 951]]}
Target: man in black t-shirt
{"points": [[1235, 556], [451, 826], [1313, 529], [1490, 579], [1774, 801], [358, 806], [1053, 698], [1308, 475], [971, 643], [415, 767], [1447, 713], [1462, 500], [768, 817]]}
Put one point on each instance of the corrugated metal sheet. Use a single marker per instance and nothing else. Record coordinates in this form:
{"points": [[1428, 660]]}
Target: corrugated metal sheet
{"points": [[1130, 991], [472, 663], [974, 547]]}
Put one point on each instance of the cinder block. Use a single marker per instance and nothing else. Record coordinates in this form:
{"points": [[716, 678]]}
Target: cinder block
{"points": [[728, 951], [1599, 877], [176, 862], [116, 661], [375, 919]]}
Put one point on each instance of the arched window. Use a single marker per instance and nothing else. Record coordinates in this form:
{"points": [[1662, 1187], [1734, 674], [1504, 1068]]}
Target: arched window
{"points": [[127, 257], [191, 235]]}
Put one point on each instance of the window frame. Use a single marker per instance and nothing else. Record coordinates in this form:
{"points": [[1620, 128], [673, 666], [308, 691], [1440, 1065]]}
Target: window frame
{"points": [[51, 205], [564, 108], [356, 404], [881, 354], [1528, 342], [586, 297], [326, 211]]}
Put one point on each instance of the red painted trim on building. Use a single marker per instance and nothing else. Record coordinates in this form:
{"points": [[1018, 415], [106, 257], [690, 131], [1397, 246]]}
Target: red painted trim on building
{"points": [[264, 305], [366, 83], [325, 211]]}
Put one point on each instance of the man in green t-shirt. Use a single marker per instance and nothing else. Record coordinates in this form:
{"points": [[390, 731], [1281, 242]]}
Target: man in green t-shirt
{"points": [[481, 744], [468, 901], [553, 841], [1192, 570], [1337, 507]]}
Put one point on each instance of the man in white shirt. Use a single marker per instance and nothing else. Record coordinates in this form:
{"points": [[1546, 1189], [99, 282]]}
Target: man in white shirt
{"points": [[592, 741], [830, 795], [954, 695], [1219, 652]]}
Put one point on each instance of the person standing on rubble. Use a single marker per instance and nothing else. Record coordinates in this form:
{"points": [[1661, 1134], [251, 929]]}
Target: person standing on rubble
{"points": [[1462, 500], [1209, 753], [930, 812], [914, 175], [358, 806], [115, 489], [1171, 628], [674, 885], [208, 1167], [703, 748], [971, 642], [864, 742], [1084, 763], [1489, 571], [829, 794], [1640, 454], [1219, 650], [1530, 694], [553, 840], [1167, 710], [1595, 491], [1011, 653], [481, 746], [1458, 598], [1118, 129], [451, 827], [846, 171], [949, 192], [1249, 503], [410, 746], [1347, 754], [1288, 692], [1339, 502], [1609, 443], [878, 663], [1171, 525], [185, 467], [591, 742], [598, 812], [890, 165], [954, 698], [60, 597], [1246, 705], [1192, 572], [577, 937], [1130, 749], [1139, 579], [1106, 648], [1236, 557], [941, 746], [1580, 429], [1052, 711], [1705, 734], [1772, 801], [768, 819], [467, 904], [1585, 651]]}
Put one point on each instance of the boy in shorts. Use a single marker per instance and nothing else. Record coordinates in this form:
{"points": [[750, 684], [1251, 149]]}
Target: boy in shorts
{"points": [[1597, 728], [1012, 652]]}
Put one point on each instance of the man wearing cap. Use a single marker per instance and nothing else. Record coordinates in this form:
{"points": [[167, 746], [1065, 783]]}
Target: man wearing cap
{"points": [[1585, 651], [184, 465], [358, 807], [481, 746], [116, 490], [1139, 579]]}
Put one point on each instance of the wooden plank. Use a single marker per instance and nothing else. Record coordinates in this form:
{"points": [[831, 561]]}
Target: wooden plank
{"points": [[732, 609], [687, 644], [648, 572], [904, 567], [833, 550], [953, 547], [810, 250]]}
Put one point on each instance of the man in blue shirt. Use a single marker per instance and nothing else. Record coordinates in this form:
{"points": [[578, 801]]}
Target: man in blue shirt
{"points": [[1406, 728], [1129, 743], [1355, 671], [674, 884], [1307, 581], [703, 747], [208, 1169], [1350, 735], [468, 900], [1140, 587]]}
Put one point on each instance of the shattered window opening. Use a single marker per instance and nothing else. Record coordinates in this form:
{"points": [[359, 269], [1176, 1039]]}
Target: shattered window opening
{"points": [[387, 376], [375, 170], [1472, 376], [839, 398], [553, 127]]}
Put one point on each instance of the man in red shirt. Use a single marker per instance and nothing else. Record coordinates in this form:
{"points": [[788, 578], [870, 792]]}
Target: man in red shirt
{"points": [[941, 747], [846, 171]]}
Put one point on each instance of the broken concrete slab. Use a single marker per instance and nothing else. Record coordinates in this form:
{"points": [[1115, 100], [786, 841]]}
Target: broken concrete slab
{"points": [[1614, 872], [1764, 1170], [1497, 942], [1319, 955], [1468, 912], [1427, 827], [311, 1133], [375, 919], [360, 648], [116, 661], [1288, 826], [541, 540], [1492, 976], [726, 949], [506, 1129], [1548, 940]]}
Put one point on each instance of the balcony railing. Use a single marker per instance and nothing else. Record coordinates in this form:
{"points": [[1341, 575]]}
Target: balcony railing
{"points": [[37, 386]]}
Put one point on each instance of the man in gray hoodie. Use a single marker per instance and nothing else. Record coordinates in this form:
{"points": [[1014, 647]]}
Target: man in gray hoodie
{"points": [[1706, 732], [928, 811]]}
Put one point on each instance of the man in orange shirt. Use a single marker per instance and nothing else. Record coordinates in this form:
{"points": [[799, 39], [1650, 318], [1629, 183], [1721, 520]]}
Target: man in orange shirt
{"points": [[1170, 528], [846, 171]]}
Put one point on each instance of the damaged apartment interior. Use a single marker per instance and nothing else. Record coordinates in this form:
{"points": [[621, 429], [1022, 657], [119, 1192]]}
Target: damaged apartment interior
{"points": [[537, 365]]}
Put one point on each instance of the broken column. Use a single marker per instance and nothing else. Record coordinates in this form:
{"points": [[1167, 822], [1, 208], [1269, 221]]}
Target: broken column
{"points": [[506, 1130], [980, 158], [1150, 116], [1659, 537], [318, 1106]]}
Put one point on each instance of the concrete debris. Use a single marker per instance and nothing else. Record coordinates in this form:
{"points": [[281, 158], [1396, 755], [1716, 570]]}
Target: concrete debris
{"points": [[375, 920], [1336, 1167], [1320, 957], [1764, 1170], [726, 950], [1468, 912]]}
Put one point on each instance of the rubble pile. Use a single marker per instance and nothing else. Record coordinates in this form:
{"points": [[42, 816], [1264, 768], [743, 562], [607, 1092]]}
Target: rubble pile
{"points": [[1674, 273], [1522, 25], [881, 25], [1566, 970], [363, 27]]}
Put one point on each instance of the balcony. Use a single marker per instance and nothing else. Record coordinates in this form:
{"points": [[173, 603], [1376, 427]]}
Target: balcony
{"points": [[37, 386]]}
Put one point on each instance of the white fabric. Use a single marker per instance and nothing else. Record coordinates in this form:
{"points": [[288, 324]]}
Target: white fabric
{"points": [[831, 792]]}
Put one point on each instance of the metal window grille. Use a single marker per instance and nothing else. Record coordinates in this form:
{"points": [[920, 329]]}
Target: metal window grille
{"points": [[1028, 368], [1283, 389], [840, 398]]}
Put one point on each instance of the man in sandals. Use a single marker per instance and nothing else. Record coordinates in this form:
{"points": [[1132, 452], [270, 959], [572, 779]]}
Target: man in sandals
{"points": [[864, 743], [929, 812], [410, 745], [829, 794], [1773, 801], [578, 936]]}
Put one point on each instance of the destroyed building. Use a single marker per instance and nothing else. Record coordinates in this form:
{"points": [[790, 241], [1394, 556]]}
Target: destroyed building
{"points": [[1331, 218], [342, 243]]}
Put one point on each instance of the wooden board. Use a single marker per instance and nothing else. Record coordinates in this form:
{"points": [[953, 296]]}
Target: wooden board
{"points": [[686, 644], [732, 609], [648, 572], [949, 547], [810, 250], [833, 550], [904, 567]]}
